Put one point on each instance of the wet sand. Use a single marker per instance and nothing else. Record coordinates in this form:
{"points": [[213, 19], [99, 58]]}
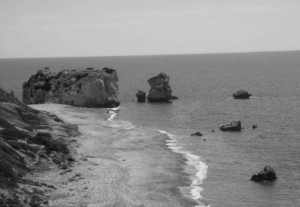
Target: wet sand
{"points": [[117, 167]]}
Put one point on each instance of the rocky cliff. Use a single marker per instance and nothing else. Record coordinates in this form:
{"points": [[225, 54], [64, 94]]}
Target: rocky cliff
{"points": [[85, 88], [28, 138]]}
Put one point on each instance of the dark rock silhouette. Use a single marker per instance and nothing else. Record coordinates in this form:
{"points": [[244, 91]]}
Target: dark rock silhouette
{"points": [[254, 126], [160, 90], [233, 126], [141, 96], [86, 88], [240, 94], [197, 134], [267, 174]]}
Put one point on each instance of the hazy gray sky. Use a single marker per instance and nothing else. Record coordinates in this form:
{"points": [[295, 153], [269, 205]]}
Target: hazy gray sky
{"points": [[53, 28]]}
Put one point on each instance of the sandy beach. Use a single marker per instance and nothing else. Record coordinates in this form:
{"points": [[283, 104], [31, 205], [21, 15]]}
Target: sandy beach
{"points": [[116, 166]]}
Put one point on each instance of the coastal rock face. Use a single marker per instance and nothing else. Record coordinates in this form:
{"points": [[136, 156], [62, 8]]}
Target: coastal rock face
{"points": [[160, 90], [85, 88], [240, 94], [233, 126], [28, 137], [141, 96], [267, 174]]}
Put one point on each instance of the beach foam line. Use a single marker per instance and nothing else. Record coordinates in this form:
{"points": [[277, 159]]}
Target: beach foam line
{"points": [[117, 124], [113, 112], [192, 160]]}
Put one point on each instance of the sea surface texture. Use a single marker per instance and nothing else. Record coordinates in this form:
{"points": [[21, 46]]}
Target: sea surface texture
{"points": [[219, 164]]}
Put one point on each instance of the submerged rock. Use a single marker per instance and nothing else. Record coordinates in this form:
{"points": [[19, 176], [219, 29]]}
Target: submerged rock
{"points": [[141, 96], [240, 94], [254, 126], [197, 134], [233, 126], [267, 174], [160, 90], [85, 88]]}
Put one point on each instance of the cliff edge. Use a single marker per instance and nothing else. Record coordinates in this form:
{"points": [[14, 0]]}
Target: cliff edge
{"points": [[29, 138]]}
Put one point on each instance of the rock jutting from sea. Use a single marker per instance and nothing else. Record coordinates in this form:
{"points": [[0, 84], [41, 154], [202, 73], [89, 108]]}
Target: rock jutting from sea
{"points": [[267, 174], [141, 96], [241, 94], [160, 90], [233, 126], [84, 88]]}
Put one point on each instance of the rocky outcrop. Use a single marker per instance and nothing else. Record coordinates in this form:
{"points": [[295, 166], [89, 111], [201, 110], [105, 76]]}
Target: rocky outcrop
{"points": [[160, 90], [27, 138], [267, 174], [233, 126], [240, 94], [141, 96], [85, 88]]}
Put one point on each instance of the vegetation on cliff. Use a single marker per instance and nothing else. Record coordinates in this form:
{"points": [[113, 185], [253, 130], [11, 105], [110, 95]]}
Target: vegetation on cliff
{"points": [[28, 138]]}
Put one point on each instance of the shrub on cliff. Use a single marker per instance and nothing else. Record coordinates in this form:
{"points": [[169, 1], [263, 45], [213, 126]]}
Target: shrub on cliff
{"points": [[50, 143]]}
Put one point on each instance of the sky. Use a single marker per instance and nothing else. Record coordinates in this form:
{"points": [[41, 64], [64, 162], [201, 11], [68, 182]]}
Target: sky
{"points": [[73, 28]]}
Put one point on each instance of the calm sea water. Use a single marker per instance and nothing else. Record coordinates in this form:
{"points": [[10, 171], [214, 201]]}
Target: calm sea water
{"points": [[204, 85]]}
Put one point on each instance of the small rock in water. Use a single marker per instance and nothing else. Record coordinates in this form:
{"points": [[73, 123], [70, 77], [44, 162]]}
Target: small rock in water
{"points": [[233, 126], [254, 126], [267, 174], [240, 94], [141, 96], [197, 134]]}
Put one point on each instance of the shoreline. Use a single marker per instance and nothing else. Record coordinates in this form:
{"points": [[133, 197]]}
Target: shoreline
{"points": [[191, 160], [119, 165]]}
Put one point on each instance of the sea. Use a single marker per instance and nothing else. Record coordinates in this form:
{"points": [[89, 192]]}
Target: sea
{"points": [[219, 164]]}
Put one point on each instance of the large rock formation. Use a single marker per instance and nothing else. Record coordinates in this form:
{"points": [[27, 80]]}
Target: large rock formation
{"points": [[28, 137], [240, 94], [233, 126], [267, 174], [85, 88], [160, 89]]}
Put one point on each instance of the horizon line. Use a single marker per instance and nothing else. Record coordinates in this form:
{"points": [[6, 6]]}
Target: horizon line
{"points": [[149, 55]]}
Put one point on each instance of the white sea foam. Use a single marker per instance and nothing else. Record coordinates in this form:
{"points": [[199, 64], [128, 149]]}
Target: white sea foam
{"points": [[117, 124], [113, 112], [192, 160]]}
